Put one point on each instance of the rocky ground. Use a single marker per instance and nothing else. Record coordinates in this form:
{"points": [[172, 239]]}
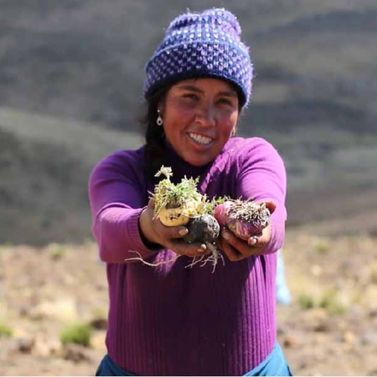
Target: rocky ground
{"points": [[329, 329]]}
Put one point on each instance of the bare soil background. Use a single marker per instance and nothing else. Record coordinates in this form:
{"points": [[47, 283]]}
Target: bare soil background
{"points": [[329, 329]]}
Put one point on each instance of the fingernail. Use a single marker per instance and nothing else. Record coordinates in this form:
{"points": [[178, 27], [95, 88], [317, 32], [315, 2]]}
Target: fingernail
{"points": [[252, 241], [202, 248], [226, 235], [183, 231]]}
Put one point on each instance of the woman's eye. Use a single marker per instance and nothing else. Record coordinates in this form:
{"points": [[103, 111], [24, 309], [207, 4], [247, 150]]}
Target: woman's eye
{"points": [[225, 101], [190, 96]]}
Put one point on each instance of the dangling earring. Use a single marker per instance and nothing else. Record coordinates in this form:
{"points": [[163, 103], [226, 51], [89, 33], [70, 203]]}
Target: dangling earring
{"points": [[159, 120], [233, 133]]}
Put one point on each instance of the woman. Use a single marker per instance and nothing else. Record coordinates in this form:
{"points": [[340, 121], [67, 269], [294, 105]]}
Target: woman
{"points": [[169, 319]]}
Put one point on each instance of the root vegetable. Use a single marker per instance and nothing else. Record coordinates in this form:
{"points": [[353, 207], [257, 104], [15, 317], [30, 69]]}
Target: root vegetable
{"points": [[176, 204], [173, 216], [204, 228], [244, 218]]}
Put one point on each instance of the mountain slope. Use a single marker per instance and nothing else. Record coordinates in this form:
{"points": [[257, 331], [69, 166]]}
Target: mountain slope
{"points": [[45, 165]]}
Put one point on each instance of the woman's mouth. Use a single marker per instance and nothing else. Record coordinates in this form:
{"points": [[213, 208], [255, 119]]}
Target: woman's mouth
{"points": [[200, 139]]}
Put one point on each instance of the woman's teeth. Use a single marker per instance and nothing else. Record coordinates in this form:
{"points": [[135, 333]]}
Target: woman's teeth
{"points": [[200, 138]]}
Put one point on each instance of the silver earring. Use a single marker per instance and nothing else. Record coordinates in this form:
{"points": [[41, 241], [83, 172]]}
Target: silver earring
{"points": [[159, 120]]}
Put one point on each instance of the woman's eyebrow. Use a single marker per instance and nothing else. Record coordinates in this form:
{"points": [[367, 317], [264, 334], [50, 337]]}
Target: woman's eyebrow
{"points": [[190, 87], [228, 93]]}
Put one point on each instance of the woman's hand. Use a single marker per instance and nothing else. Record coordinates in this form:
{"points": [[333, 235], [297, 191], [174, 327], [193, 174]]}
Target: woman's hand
{"points": [[237, 249], [169, 237]]}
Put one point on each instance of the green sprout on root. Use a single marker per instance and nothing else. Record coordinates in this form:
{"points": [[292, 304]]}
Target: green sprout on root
{"points": [[182, 204]]}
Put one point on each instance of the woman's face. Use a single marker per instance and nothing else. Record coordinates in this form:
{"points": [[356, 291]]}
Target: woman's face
{"points": [[199, 116]]}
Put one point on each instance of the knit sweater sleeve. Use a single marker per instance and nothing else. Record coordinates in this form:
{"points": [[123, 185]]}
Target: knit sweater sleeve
{"points": [[263, 177], [117, 198]]}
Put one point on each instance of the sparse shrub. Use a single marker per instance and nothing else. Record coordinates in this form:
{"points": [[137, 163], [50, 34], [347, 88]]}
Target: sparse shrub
{"points": [[330, 301], [77, 334], [99, 320], [5, 331], [56, 251], [321, 245], [306, 302]]}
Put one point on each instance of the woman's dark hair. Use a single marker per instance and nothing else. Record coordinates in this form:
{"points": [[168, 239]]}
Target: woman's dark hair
{"points": [[154, 134]]}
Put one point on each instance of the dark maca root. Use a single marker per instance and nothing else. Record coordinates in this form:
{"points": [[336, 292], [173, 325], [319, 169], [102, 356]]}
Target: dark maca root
{"points": [[203, 229]]}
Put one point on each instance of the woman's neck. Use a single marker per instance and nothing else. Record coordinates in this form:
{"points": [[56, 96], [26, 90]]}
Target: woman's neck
{"points": [[180, 167]]}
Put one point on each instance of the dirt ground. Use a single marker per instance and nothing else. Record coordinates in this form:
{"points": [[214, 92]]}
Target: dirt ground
{"points": [[329, 329]]}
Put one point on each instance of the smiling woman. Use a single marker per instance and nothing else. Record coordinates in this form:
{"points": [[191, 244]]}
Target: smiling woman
{"points": [[167, 319]]}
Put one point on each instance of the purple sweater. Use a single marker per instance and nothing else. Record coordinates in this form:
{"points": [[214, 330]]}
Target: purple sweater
{"points": [[173, 320]]}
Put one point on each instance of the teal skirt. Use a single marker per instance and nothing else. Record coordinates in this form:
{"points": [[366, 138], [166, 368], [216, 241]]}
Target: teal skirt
{"points": [[274, 364]]}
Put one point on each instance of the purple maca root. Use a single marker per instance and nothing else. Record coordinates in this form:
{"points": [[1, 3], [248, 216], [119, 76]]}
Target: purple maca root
{"points": [[245, 218]]}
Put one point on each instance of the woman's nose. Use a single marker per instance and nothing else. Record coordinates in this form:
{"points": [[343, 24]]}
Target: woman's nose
{"points": [[206, 116]]}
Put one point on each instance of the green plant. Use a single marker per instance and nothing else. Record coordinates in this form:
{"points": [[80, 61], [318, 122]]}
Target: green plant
{"points": [[175, 204], [5, 331], [330, 301], [321, 245], [305, 301], [77, 334], [56, 251]]}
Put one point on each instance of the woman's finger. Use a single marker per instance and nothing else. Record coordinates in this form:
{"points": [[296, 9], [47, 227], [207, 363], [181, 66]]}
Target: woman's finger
{"points": [[232, 254], [261, 240], [237, 249], [190, 250]]}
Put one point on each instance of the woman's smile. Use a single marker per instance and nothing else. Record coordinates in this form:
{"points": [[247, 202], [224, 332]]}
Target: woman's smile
{"points": [[200, 139]]}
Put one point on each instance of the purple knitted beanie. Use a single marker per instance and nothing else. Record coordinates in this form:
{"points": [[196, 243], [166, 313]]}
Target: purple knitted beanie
{"points": [[203, 44]]}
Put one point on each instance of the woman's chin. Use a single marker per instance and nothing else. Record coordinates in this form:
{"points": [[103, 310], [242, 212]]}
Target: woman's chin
{"points": [[197, 160]]}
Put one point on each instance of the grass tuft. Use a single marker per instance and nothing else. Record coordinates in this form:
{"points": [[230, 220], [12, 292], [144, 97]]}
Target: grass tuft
{"points": [[77, 333], [330, 301], [5, 331], [306, 302], [321, 245]]}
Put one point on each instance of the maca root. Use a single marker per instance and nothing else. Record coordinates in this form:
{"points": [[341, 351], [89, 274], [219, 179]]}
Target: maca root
{"points": [[176, 204], [245, 218], [202, 229]]}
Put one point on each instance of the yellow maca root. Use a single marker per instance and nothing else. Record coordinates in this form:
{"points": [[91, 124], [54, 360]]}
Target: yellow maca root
{"points": [[173, 217], [176, 204]]}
